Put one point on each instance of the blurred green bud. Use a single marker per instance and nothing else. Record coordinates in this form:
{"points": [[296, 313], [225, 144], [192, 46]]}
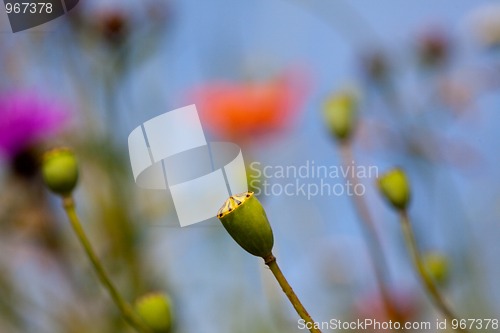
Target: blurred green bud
{"points": [[395, 187], [437, 266], [340, 114], [255, 177], [60, 170], [245, 220], [156, 312]]}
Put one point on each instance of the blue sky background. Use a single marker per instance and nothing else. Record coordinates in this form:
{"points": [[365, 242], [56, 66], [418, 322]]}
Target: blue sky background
{"points": [[318, 242]]}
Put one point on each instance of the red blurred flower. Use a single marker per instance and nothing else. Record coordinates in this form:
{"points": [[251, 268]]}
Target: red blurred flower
{"points": [[371, 306], [240, 111]]}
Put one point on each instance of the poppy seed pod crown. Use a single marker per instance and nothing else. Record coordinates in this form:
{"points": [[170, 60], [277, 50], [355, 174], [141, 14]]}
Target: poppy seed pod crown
{"points": [[245, 220]]}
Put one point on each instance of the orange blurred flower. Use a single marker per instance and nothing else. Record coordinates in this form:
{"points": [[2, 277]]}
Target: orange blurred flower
{"points": [[371, 306], [240, 111]]}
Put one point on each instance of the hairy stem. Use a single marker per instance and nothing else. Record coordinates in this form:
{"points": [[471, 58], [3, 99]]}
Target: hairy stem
{"points": [[125, 309], [372, 238], [426, 279], [287, 289]]}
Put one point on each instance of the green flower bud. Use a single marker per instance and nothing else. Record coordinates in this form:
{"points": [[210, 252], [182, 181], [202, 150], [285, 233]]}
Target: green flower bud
{"points": [[255, 177], [437, 266], [395, 187], [340, 115], [60, 170], [156, 312], [245, 220]]}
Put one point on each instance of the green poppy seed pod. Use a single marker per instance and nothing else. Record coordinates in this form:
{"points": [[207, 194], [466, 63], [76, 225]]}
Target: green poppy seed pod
{"points": [[395, 187], [60, 170], [437, 266], [245, 220], [340, 115], [155, 310]]}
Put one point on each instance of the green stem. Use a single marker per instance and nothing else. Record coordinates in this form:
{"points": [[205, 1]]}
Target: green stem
{"points": [[125, 309], [426, 279], [372, 238], [287, 289]]}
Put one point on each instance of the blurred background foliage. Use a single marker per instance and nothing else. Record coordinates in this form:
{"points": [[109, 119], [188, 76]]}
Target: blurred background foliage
{"points": [[427, 77]]}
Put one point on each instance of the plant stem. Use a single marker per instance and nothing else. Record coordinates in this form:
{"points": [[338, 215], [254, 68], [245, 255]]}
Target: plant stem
{"points": [[287, 289], [125, 309], [372, 238], [426, 279]]}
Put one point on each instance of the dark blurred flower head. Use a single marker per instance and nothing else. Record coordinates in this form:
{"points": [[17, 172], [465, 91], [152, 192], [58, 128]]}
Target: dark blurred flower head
{"points": [[116, 25], [375, 66], [26, 119], [243, 111], [113, 26], [433, 47]]}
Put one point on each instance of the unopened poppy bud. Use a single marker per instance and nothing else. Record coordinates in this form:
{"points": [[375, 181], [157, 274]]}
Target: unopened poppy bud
{"points": [[340, 115], [245, 220], [155, 310], [395, 187], [437, 266], [60, 170], [255, 177]]}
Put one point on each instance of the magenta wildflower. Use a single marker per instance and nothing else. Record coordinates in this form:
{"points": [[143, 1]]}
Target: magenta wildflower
{"points": [[25, 120]]}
